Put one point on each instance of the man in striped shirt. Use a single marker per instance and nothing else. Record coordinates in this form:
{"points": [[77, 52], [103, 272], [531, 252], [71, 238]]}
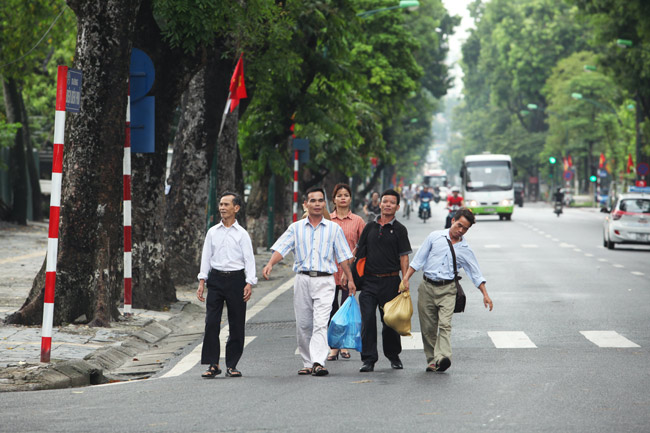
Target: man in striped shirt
{"points": [[317, 244]]}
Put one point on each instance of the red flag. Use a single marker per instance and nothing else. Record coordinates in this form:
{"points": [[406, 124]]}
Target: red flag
{"points": [[237, 85], [565, 163], [570, 161], [601, 161], [630, 164]]}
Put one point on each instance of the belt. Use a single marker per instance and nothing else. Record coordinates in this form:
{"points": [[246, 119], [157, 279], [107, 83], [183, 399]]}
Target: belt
{"points": [[438, 282], [389, 274], [228, 273], [315, 273]]}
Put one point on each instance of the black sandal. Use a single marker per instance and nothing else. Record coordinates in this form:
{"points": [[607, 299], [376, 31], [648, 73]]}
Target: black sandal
{"points": [[233, 372], [304, 371], [345, 355], [319, 370], [212, 372]]}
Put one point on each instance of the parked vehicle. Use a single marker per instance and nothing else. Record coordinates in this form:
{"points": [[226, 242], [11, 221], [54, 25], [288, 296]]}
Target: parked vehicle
{"points": [[629, 220]]}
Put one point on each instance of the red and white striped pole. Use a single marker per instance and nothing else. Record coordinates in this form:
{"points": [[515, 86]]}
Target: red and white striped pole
{"points": [[55, 208], [295, 186], [127, 208]]}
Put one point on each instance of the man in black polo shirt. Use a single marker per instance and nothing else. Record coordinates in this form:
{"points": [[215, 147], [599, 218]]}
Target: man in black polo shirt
{"points": [[387, 248]]}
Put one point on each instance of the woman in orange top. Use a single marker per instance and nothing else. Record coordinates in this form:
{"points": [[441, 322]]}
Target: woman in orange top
{"points": [[352, 226]]}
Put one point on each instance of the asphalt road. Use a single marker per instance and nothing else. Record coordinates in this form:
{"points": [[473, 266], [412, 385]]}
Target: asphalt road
{"points": [[537, 363]]}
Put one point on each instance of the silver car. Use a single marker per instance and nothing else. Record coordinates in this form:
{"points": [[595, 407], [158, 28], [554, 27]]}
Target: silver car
{"points": [[629, 221]]}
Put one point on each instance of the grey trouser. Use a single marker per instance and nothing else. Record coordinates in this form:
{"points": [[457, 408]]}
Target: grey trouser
{"points": [[435, 309]]}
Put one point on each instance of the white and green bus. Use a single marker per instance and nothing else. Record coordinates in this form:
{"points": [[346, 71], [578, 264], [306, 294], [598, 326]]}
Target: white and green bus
{"points": [[487, 185]]}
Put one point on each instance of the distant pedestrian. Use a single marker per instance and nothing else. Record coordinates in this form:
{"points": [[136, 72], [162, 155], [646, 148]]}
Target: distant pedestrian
{"points": [[352, 226], [317, 244], [228, 266], [437, 293], [387, 247]]}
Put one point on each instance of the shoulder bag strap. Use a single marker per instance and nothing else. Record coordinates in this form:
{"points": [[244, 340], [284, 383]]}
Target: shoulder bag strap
{"points": [[453, 254]]}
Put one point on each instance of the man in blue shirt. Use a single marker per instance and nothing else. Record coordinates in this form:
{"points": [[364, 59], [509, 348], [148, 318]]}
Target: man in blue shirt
{"points": [[437, 293], [318, 244]]}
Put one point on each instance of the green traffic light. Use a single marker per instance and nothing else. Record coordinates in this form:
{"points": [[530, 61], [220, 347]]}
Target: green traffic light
{"points": [[592, 178], [552, 159]]}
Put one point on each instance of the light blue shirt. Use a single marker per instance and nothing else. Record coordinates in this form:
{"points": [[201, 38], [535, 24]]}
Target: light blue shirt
{"points": [[315, 248], [436, 261]]}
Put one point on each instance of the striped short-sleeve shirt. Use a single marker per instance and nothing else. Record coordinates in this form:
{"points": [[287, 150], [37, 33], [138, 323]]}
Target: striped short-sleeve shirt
{"points": [[315, 248], [352, 226]]}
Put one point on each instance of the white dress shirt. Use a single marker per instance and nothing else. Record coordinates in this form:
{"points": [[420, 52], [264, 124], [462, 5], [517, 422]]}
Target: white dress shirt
{"points": [[228, 249]]}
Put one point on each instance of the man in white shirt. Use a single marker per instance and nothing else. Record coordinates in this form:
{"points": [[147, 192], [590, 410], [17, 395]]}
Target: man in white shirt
{"points": [[228, 265]]}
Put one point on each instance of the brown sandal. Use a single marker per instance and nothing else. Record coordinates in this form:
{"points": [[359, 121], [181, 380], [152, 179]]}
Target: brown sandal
{"points": [[304, 371]]}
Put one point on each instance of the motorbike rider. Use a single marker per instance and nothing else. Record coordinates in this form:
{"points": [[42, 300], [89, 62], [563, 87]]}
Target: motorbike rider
{"points": [[455, 199], [558, 197], [425, 193], [371, 209]]}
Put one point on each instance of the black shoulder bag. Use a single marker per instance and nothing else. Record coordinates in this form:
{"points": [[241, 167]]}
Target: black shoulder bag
{"points": [[460, 294], [359, 263]]}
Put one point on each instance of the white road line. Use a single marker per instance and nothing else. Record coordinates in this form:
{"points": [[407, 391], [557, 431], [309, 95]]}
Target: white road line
{"points": [[529, 246], [577, 250], [640, 274], [616, 265], [190, 360], [510, 340], [495, 246], [555, 240], [548, 236], [603, 260], [608, 339], [589, 255], [565, 245]]}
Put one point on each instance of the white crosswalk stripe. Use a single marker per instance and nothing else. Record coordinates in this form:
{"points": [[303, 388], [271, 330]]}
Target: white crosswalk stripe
{"points": [[608, 339], [511, 340]]}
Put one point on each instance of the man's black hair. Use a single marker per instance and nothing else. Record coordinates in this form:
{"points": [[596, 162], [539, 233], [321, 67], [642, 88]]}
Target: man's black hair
{"points": [[390, 192], [236, 199], [314, 189], [465, 212]]}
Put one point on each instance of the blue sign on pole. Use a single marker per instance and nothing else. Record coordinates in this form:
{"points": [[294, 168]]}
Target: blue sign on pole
{"points": [[143, 123], [568, 175], [141, 79], [602, 173], [642, 168], [73, 91], [302, 146]]}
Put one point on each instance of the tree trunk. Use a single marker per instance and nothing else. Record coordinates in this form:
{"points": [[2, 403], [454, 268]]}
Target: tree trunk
{"points": [[17, 167], [153, 287], [37, 197], [89, 272]]}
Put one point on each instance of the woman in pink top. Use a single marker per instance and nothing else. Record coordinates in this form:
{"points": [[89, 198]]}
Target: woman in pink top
{"points": [[352, 226]]}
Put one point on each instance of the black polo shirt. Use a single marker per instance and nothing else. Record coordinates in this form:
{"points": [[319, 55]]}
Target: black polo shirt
{"points": [[385, 245]]}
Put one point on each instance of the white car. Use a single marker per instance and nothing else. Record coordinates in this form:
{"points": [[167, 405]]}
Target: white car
{"points": [[629, 221]]}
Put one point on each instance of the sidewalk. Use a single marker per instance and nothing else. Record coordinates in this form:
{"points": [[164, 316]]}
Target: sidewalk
{"points": [[134, 347]]}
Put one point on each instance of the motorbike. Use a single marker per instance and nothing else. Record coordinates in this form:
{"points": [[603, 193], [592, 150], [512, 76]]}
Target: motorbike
{"points": [[425, 209], [436, 197], [557, 208], [450, 215]]}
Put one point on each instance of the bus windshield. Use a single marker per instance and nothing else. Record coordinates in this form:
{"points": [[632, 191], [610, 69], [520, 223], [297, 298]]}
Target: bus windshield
{"points": [[488, 176]]}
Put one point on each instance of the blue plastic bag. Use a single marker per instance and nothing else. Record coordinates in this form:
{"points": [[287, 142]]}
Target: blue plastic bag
{"points": [[345, 327]]}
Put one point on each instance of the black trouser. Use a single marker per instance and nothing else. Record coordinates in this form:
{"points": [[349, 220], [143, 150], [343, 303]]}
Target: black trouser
{"points": [[376, 292], [231, 290], [335, 304]]}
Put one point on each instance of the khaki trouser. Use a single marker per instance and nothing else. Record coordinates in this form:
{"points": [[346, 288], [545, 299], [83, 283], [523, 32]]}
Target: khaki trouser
{"points": [[435, 309]]}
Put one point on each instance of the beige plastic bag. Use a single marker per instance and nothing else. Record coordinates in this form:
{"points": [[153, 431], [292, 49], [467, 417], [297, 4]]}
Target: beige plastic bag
{"points": [[398, 312]]}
